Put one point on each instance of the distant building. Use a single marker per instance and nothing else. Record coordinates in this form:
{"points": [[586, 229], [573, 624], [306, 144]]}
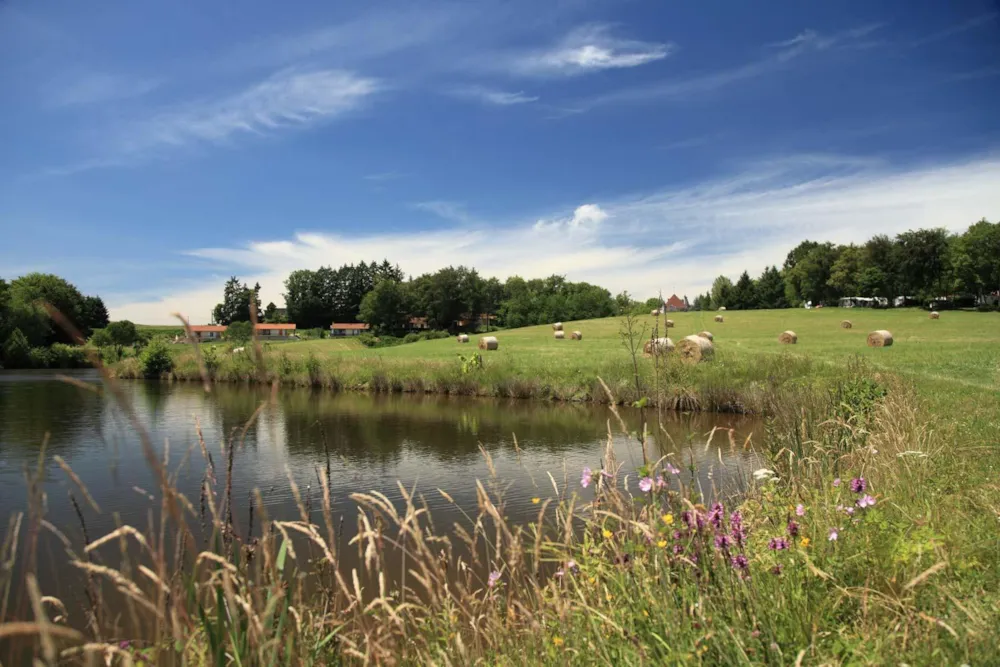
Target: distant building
{"points": [[348, 329], [419, 324], [674, 303], [274, 331], [207, 332]]}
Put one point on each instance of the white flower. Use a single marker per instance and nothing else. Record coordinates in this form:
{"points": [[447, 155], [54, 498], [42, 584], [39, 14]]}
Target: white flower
{"points": [[764, 475]]}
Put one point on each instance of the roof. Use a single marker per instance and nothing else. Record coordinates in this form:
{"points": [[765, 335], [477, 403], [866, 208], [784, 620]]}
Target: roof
{"points": [[265, 325], [348, 325], [207, 327], [675, 301]]}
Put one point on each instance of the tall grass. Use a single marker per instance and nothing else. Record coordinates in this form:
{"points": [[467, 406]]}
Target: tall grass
{"points": [[803, 569]]}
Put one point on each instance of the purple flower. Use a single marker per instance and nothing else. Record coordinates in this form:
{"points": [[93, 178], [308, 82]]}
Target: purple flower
{"points": [[866, 501], [660, 482], [776, 569], [740, 562], [678, 549], [673, 470], [687, 518], [586, 478], [800, 510], [715, 516], [494, 578], [123, 644], [572, 566], [836, 482], [793, 529], [834, 534], [723, 542], [777, 544], [737, 529], [858, 485], [645, 484]]}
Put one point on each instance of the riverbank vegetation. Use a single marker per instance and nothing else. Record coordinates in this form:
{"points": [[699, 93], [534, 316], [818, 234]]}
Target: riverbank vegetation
{"points": [[868, 537]]}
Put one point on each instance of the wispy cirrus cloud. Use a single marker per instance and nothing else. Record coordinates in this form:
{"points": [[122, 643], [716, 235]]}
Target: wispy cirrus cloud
{"points": [[448, 210], [677, 239], [587, 49], [958, 28], [96, 87], [287, 100], [492, 96]]}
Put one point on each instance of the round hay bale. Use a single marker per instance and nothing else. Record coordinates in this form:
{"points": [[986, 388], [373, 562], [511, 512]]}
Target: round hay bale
{"points": [[788, 338], [489, 343], [463, 338], [576, 335], [935, 315], [719, 318], [695, 348], [559, 335], [706, 334], [557, 326], [721, 308], [846, 324], [669, 324], [654, 313], [880, 338], [658, 346]]}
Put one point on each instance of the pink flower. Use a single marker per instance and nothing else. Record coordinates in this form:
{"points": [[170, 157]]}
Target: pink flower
{"points": [[660, 482], [834, 534], [586, 478], [645, 484], [673, 470], [800, 510], [866, 501], [836, 482], [494, 578]]}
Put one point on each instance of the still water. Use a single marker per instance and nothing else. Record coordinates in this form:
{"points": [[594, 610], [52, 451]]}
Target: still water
{"points": [[369, 442]]}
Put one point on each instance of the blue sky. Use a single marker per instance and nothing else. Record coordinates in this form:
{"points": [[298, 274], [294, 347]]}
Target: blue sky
{"points": [[150, 150]]}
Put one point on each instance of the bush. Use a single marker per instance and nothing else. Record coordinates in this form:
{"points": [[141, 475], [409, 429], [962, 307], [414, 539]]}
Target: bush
{"points": [[413, 338], [16, 350], [434, 335], [987, 308], [39, 357], [210, 356], [67, 356], [155, 359], [239, 332]]}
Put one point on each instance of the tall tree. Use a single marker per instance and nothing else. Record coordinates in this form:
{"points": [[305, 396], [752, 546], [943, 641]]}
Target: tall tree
{"points": [[385, 308], [771, 289], [744, 294], [29, 292], [846, 270], [236, 300], [722, 292], [807, 276], [923, 259], [975, 257], [94, 314]]}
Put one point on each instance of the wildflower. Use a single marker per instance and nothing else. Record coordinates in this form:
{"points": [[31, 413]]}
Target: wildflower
{"points": [[558, 641], [668, 519], [672, 469], [834, 534], [722, 542], [572, 566], [776, 569], [645, 613], [800, 510], [645, 484], [836, 482], [124, 644], [586, 478], [805, 542], [535, 501], [736, 528], [494, 578], [740, 562], [662, 544], [865, 501], [607, 534], [660, 483], [560, 572], [715, 516], [678, 549], [858, 485], [777, 544], [793, 529], [764, 475]]}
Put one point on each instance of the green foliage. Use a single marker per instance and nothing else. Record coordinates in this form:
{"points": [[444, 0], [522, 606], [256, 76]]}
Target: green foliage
{"points": [[411, 338], [61, 355], [93, 314], [471, 364], [236, 300], [210, 357], [155, 359], [239, 332], [385, 307], [322, 297], [101, 338], [16, 350], [722, 292]]}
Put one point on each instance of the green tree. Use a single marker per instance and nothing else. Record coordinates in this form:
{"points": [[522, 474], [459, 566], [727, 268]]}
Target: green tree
{"points": [[771, 289], [29, 292], [807, 272], [101, 338], [846, 271], [239, 332], [492, 297], [879, 275], [722, 292], [384, 308], [975, 256], [122, 334], [236, 300], [155, 360], [94, 314], [924, 261], [744, 294], [16, 350]]}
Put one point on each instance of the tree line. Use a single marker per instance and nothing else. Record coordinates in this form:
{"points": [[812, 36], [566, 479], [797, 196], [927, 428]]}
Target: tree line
{"points": [[923, 264]]}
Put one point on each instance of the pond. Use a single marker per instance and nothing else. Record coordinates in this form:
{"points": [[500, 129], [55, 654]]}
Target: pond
{"points": [[368, 442]]}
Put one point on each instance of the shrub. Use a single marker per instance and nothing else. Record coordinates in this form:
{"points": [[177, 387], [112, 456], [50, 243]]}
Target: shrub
{"points": [[16, 350], [239, 332], [368, 340], [39, 357], [412, 338], [210, 356], [67, 356], [434, 335], [155, 359]]}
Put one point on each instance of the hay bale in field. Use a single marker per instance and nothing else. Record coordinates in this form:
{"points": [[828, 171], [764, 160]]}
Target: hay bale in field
{"points": [[489, 343], [654, 313], [706, 334], [719, 318], [463, 338], [658, 346], [788, 338], [695, 348], [669, 324], [557, 326], [846, 324], [576, 335], [721, 308], [935, 314], [559, 335], [880, 338]]}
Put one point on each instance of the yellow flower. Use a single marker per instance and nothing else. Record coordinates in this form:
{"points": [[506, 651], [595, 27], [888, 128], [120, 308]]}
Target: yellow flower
{"points": [[593, 580], [535, 501], [608, 597], [558, 641], [645, 613], [668, 519], [804, 542], [661, 543], [607, 534]]}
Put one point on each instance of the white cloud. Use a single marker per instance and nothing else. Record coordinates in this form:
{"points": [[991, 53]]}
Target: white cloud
{"points": [[587, 49], [492, 96], [96, 87], [288, 99], [676, 240], [449, 210]]}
